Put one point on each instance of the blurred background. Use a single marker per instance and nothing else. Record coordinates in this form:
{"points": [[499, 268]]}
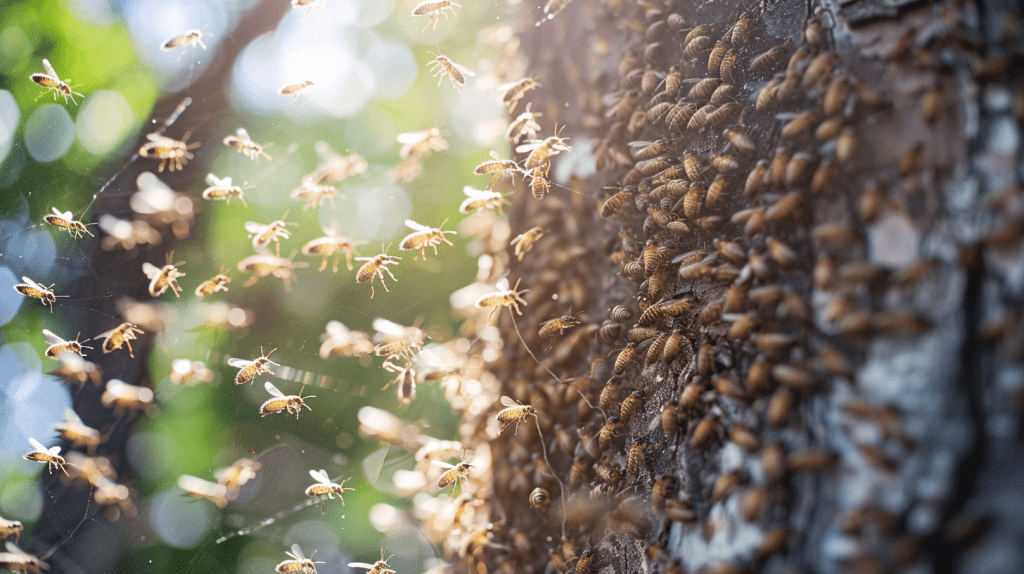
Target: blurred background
{"points": [[367, 62]]}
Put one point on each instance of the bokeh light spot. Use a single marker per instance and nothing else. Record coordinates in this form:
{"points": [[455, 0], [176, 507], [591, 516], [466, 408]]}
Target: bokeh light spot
{"points": [[49, 133], [103, 122]]}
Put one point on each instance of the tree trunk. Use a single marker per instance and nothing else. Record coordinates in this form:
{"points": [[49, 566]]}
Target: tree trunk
{"points": [[835, 385]]}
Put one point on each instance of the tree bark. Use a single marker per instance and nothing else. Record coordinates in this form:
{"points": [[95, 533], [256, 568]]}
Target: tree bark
{"points": [[845, 363]]}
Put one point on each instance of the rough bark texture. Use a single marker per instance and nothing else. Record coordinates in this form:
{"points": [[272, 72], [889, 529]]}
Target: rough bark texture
{"points": [[842, 386]]}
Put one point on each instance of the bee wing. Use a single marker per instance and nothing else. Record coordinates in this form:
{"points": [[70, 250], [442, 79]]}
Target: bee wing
{"points": [[529, 146], [362, 565], [443, 465], [54, 450], [49, 69], [463, 69], [71, 416], [150, 270], [32, 283], [242, 134], [274, 391], [37, 445], [415, 226], [638, 144], [297, 552], [51, 338], [411, 137], [213, 180], [337, 328], [510, 402], [239, 363], [320, 476], [253, 227]]}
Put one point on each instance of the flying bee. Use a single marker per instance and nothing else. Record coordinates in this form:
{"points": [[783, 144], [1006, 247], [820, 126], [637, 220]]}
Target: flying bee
{"points": [[10, 528], [32, 289], [173, 154], [378, 567], [541, 150], [496, 167], [558, 326], [340, 340], [280, 402], [481, 199], [199, 488], [442, 65], [296, 90], [435, 8], [325, 488], [298, 562], [612, 205], [160, 278], [539, 184], [67, 222], [329, 245], [244, 144], [77, 433], [59, 345], [123, 397], [211, 286], [248, 370], [187, 372], [453, 474], [376, 266], [514, 412], [405, 379], [512, 93], [126, 234], [314, 194], [262, 234], [524, 241], [511, 298], [525, 125], [264, 264], [122, 335], [51, 456], [223, 189], [189, 38], [423, 237], [421, 142], [77, 371], [52, 82], [16, 560]]}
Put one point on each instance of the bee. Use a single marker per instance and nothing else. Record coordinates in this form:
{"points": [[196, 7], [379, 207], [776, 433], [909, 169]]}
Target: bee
{"points": [[262, 235], [325, 488], [211, 286], [378, 567], [263, 264], [121, 396], [524, 241], [186, 372], [298, 562], [702, 90], [222, 189], [248, 370], [513, 93], [59, 345], [496, 167], [160, 278], [423, 237], [51, 456], [525, 125], [66, 221], [511, 298], [416, 144], [625, 357], [123, 334], [846, 145], [10, 528], [435, 8], [442, 65], [189, 38], [705, 431], [541, 150], [280, 402], [696, 46], [340, 340], [199, 488], [715, 58], [32, 289], [77, 433], [296, 90], [612, 205], [539, 499], [558, 326], [680, 115], [480, 199], [244, 144], [514, 412], [173, 154], [539, 184], [17, 560], [768, 61], [453, 474], [77, 371], [329, 245], [376, 266], [314, 194], [799, 124], [630, 405], [52, 82]]}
